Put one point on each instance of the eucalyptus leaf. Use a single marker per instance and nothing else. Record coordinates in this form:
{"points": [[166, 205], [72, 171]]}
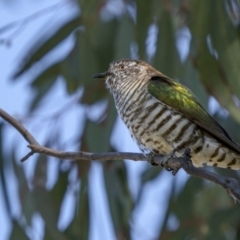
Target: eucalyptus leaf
{"points": [[79, 227], [18, 232], [144, 19], [119, 197], [43, 83], [166, 58], [41, 48]]}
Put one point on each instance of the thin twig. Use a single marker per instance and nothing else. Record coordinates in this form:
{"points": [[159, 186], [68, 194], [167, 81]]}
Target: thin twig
{"points": [[27, 156], [231, 185]]}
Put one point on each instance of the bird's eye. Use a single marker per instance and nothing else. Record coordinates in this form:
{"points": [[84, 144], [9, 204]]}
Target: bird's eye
{"points": [[121, 66]]}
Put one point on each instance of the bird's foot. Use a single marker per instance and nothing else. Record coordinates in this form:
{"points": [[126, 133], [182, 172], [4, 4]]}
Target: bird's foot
{"points": [[150, 158], [187, 153], [175, 166], [165, 162], [155, 158]]}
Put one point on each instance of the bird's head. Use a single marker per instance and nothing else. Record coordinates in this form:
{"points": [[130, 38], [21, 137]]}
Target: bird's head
{"points": [[122, 71]]}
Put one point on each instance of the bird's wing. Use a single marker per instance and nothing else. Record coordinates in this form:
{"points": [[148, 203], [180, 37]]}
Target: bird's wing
{"points": [[182, 100]]}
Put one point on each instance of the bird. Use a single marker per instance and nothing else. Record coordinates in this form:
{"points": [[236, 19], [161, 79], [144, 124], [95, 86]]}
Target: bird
{"points": [[163, 116]]}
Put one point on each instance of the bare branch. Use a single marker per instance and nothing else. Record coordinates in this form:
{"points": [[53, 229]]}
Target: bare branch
{"points": [[87, 155], [231, 185], [25, 133]]}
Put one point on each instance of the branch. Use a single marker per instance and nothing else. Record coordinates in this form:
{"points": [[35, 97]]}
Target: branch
{"points": [[25, 133], [231, 185]]}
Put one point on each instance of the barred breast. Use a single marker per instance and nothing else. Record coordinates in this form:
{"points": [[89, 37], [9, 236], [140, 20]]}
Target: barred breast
{"points": [[159, 129]]}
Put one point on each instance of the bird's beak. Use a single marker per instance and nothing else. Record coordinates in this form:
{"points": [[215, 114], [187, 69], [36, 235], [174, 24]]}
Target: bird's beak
{"points": [[101, 75]]}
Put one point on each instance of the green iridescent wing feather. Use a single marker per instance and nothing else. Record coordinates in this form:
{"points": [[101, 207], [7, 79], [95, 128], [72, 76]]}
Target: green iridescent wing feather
{"points": [[181, 99]]}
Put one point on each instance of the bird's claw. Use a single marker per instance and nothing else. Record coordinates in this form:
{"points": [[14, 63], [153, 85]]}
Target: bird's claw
{"points": [[187, 153], [165, 160], [150, 159]]}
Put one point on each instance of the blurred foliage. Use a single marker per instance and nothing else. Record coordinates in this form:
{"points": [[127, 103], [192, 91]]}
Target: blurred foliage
{"points": [[210, 31]]}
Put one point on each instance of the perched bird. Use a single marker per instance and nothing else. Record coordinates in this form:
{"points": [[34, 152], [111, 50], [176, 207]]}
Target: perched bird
{"points": [[162, 115]]}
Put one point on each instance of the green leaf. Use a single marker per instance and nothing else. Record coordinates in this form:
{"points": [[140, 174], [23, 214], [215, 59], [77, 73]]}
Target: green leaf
{"points": [[119, 197], [70, 69], [224, 220], [214, 198], [43, 83], [47, 210], [3, 179], [149, 174], [227, 47], [187, 197], [232, 127], [96, 51], [18, 232], [41, 48], [167, 58], [215, 52], [26, 197], [144, 19], [59, 190], [191, 79], [90, 9], [124, 37], [182, 207], [222, 92], [45, 205], [80, 225], [97, 135]]}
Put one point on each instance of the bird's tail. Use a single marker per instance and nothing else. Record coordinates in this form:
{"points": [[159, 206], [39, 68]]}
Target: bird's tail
{"points": [[217, 154]]}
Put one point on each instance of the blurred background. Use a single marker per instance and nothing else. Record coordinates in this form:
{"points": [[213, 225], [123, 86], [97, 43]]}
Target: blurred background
{"points": [[49, 51]]}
